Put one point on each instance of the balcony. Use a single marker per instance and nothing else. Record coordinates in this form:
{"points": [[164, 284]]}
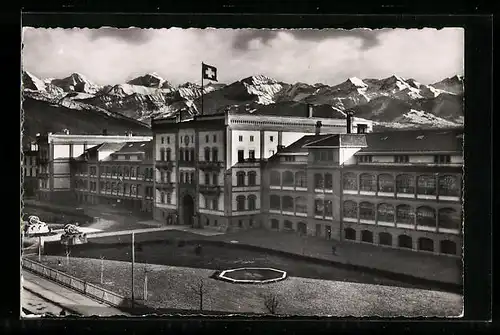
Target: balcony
{"points": [[210, 165], [186, 163], [166, 165], [165, 186], [210, 189]]}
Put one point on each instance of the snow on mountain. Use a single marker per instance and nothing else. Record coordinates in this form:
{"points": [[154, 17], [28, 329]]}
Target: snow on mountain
{"points": [[31, 82], [264, 88], [357, 82], [454, 85], [76, 82], [150, 80]]}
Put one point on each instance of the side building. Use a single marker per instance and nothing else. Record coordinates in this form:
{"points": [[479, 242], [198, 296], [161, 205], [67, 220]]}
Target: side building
{"points": [[55, 154], [400, 189], [208, 168], [30, 170], [118, 174]]}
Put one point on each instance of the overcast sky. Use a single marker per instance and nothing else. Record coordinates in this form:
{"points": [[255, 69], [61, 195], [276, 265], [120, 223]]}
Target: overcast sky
{"points": [[112, 56]]}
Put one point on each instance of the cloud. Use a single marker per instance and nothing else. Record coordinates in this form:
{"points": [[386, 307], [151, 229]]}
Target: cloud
{"points": [[131, 35], [113, 56], [369, 38]]}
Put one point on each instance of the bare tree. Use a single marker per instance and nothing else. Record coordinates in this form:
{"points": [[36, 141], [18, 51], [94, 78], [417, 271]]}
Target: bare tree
{"points": [[199, 288], [272, 302]]}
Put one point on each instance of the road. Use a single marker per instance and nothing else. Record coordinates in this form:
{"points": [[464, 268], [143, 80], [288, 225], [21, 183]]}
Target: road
{"points": [[51, 297]]}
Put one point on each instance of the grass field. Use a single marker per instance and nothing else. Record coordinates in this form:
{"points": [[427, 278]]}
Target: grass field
{"points": [[168, 252], [175, 287]]}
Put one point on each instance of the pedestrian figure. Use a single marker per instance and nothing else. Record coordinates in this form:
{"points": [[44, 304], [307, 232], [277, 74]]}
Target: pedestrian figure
{"points": [[59, 262], [198, 249], [334, 250]]}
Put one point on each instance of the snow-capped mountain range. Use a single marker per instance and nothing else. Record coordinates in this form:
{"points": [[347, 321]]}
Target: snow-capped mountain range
{"points": [[389, 102]]}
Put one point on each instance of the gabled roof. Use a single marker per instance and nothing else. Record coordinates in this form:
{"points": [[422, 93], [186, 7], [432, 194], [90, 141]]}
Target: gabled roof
{"points": [[135, 147], [437, 140]]}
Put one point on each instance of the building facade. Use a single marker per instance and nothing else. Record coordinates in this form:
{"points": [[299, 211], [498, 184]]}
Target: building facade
{"points": [[56, 151], [208, 169], [400, 189], [117, 174], [30, 170]]}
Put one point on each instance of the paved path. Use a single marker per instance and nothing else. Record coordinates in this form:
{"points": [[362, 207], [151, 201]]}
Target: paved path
{"points": [[64, 297]]}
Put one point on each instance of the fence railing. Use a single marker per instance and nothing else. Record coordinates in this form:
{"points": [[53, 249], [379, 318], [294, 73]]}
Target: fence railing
{"points": [[79, 285]]}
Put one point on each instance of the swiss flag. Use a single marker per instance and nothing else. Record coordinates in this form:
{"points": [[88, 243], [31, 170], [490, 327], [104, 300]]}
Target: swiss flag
{"points": [[209, 72]]}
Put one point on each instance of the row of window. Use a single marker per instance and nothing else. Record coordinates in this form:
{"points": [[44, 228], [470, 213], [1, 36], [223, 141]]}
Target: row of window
{"points": [[447, 185], [124, 188], [322, 207], [207, 139], [187, 154], [252, 138], [241, 202], [125, 172], [240, 178], [405, 214], [438, 159], [241, 155], [403, 241]]}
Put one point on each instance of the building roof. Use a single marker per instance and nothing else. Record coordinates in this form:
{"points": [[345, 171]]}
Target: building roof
{"points": [[338, 140], [292, 109], [298, 146], [437, 140], [135, 147]]}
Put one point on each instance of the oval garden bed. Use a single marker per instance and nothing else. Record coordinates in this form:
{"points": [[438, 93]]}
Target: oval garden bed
{"points": [[251, 275]]}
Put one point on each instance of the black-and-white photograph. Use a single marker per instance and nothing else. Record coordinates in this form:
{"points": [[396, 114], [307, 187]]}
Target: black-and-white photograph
{"points": [[282, 172]]}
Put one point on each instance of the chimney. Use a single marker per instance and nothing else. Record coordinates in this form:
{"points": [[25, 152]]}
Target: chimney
{"points": [[310, 110], [318, 127], [349, 121], [105, 132], [66, 131]]}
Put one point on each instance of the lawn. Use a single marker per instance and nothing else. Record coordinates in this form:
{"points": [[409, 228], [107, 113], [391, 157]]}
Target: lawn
{"points": [[174, 287], [168, 252]]}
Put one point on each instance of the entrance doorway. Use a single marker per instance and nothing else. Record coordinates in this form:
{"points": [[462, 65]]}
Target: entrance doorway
{"points": [[187, 210]]}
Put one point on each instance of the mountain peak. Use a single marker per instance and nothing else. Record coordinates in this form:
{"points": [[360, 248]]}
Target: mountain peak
{"points": [[259, 79], [357, 82], [149, 80]]}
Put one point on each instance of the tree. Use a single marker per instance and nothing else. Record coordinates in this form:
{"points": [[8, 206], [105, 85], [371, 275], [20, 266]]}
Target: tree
{"points": [[272, 302], [199, 288]]}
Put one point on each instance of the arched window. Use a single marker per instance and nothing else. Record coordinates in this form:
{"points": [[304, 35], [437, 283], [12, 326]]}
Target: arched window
{"points": [[449, 186], [113, 187], [138, 172], [385, 213], [162, 154], [350, 209], [319, 182], [192, 155], [108, 170], [169, 177], [405, 241], [385, 183], [181, 177], [328, 181], [275, 202], [240, 178], [181, 154], [367, 236], [108, 186], [302, 228], [288, 225], [169, 154], [275, 178], [119, 171], [252, 178], [275, 224], [350, 181], [300, 179], [404, 214], [405, 184], [385, 239], [448, 247], [138, 190], [367, 182], [425, 244], [287, 178], [426, 216], [366, 211], [162, 197], [113, 171], [127, 171], [301, 205], [162, 177], [449, 218], [240, 203], [252, 199], [350, 234], [215, 154], [207, 154], [287, 203], [426, 185]]}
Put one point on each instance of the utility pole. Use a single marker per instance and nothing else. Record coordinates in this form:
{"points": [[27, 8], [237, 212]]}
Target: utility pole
{"points": [[145, 284], [202, 74], [39, 248], [133, 261]]}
